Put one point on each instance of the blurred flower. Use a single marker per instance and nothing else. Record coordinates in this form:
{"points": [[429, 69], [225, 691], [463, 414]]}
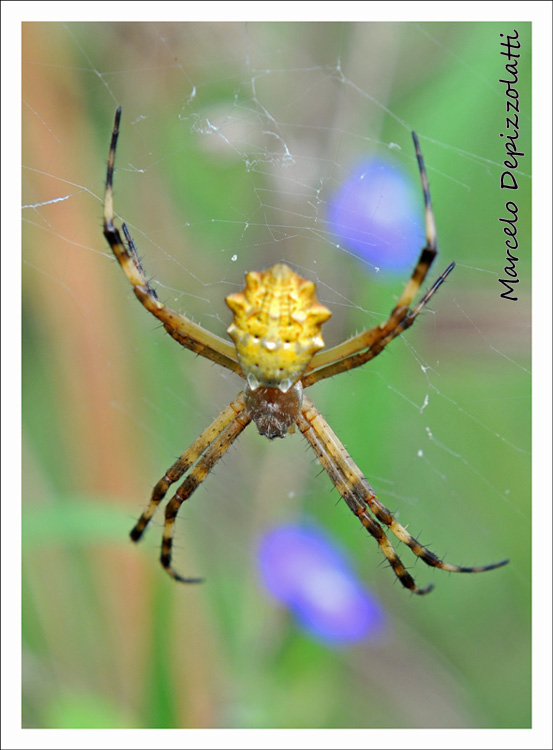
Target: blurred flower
{"points": [[304, 569], [378, 215]]}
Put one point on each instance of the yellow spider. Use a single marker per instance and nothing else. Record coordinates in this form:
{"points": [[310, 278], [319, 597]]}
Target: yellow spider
{"points": [[277, 342]]}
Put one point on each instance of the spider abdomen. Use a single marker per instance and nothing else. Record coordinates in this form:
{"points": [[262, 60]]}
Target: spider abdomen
{"points": [[277, 326], [273, 411]]}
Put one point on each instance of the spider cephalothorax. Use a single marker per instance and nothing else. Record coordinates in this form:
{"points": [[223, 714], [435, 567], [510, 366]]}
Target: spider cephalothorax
{"points": [[274, 412], [277, 349]]}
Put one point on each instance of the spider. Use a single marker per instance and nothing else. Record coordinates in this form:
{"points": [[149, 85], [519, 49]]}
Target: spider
{"points": [[277, 342]]}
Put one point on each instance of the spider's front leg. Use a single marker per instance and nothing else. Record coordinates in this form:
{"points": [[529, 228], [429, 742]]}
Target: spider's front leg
{"points": [[204, 452], [190, 485], [320, 442], [360, 497]]}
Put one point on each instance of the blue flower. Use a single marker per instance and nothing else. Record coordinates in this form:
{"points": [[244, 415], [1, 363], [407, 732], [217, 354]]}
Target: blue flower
{"points": [[378, 216], [305, 570]]}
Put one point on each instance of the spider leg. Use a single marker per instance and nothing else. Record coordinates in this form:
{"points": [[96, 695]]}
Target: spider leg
{"points": [[187, 333], [381, 337], [360, 497], [207, 461], [355, 504], [188, 459], [366, 345]]}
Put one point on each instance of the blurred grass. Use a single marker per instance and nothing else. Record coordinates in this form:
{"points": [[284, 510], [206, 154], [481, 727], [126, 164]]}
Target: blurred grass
{"points": [[109, 400]]}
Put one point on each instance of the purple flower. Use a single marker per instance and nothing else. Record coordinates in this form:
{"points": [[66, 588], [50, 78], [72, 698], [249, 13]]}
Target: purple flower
{"points": [[304, 569], [378, 215]]}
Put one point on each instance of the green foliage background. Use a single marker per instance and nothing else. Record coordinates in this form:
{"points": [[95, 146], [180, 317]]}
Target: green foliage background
{"points": [[109, 401]]}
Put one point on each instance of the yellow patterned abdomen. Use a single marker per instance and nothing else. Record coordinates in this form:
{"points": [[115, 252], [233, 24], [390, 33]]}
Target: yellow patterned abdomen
{"points": [[277, 326]]}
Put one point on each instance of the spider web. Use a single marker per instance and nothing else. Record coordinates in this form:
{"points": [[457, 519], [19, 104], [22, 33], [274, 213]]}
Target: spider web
{"points": [[234, 138]]}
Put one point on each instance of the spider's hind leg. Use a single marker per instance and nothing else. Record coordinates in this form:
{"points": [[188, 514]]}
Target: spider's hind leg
{"points": [[189, 334], [136, 260]]}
